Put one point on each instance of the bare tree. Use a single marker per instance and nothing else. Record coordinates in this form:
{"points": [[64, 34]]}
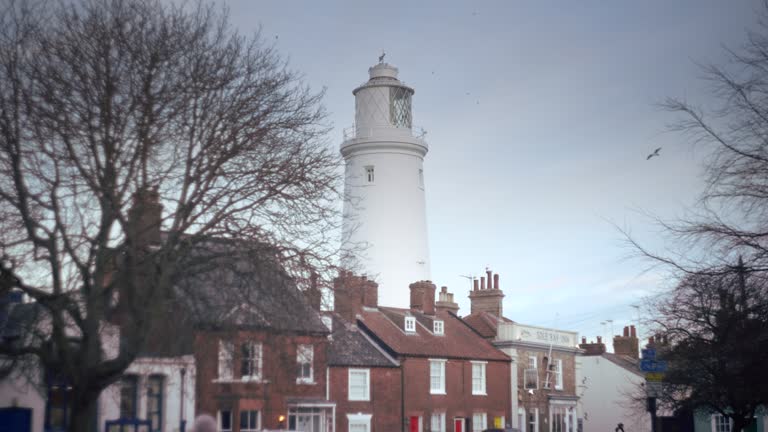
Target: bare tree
{"points": [[715, 316], [112, 110], [713, 336], [732, 216]]}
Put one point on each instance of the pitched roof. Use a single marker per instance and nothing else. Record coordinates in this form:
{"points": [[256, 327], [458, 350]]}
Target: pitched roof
{"points": [[629, 363], [485, 323], [458, 341], [232, 284], [351, 347]]}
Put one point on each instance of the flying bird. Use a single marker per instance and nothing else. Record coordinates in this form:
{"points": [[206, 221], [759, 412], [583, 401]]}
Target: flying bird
{"points": [[655, 153], [381, 57]]}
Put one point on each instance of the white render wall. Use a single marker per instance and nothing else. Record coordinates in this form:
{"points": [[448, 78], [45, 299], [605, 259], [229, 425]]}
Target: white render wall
{"points": [[385, 220], [604, 389], [170, 368], [24, 390]]}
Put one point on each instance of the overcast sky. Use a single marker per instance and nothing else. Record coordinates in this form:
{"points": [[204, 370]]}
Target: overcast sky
{"points": [[540, 117]]}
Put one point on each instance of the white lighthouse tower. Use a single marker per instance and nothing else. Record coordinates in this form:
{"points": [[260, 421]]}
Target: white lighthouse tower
{"points": [[385, 220]]}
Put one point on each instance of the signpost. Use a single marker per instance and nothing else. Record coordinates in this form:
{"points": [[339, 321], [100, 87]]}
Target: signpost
{"points": [[654, 375]]}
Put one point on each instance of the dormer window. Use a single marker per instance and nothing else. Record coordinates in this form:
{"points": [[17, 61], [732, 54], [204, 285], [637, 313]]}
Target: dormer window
{"points": [[410, 324], [438, 327]]}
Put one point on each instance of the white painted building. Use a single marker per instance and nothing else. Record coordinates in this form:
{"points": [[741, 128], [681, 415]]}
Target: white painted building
{"points": [[607, 384], [385, 223], [25, 389], [159, 389]]}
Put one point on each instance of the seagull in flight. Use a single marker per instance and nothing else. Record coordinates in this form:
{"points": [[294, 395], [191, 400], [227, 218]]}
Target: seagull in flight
{"points": [[655, 153]]}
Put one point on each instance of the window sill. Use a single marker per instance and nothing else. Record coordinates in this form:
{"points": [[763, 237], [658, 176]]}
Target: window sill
{"points": [[359, 400], [242, 380], [479, 394], [305, 381], [435, 392]]}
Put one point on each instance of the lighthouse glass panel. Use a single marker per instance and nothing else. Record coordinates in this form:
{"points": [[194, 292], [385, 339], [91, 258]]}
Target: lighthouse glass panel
{"points": [[400, 107]]}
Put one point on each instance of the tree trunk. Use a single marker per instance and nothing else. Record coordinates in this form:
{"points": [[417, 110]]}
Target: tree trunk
{"points": [[83, 417]]}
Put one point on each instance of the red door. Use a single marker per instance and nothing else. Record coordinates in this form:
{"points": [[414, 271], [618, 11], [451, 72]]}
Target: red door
{"points": [[414, 424], [458, 425]]}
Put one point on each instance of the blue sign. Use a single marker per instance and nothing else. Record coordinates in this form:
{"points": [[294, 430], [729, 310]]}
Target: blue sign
{"points": [[648, 365], [648, 353]]}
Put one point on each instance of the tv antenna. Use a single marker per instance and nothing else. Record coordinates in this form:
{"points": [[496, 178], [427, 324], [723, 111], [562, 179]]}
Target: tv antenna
{"points": [[471, 279]]}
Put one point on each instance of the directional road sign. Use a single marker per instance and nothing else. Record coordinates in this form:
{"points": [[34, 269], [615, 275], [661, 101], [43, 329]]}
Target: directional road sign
{"points": [[648, 353], [653, 365]]}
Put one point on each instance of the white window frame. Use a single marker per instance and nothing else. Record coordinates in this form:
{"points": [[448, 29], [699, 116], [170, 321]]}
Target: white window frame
{"points": [[439, 418], [554, 425], [535, 420], [478, 368], [479, 421], [719, 420], [558, 374], [359, 419], [410, 324], [219, 418], [354, 397], [257, 426], [433, 378], [438, 327], [257, 355], [226, 366], [301, 354], [532, 369], [370, 173]]}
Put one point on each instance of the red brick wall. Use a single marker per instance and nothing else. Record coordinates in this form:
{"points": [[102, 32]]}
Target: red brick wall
{"points": [[278, 374], [385, 395], [458, 400], [540, 397]]}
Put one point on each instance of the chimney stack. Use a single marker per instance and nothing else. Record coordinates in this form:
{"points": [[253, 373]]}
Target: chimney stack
{"points": [[487, 300], [423, 297], [592, 348], [445, 301], [628, 344], [475, 284], [145, 218], [351, 293], [313, 294]]}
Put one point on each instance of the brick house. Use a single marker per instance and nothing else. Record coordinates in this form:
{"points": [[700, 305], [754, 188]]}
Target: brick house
{"points": [[544, 366], [260, 349], [365, 381], [444, 364]]}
